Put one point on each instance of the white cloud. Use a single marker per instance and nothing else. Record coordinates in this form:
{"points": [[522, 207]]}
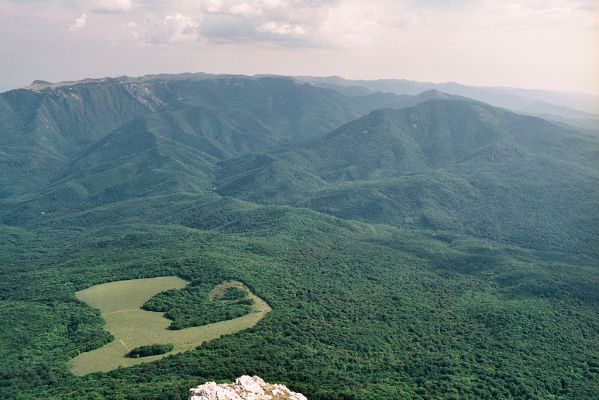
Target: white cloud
{"points": [[172, 29], [245, 10], [281, 28], [79, 23], [534, 43], [111, 6], [284, 22], [212, 6]]}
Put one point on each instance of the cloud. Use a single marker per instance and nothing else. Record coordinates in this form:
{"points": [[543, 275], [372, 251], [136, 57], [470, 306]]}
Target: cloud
{"points": [[251, 8], [287, 23], [542, 43], [245, 10], [111, 6], [212, 6], [172, 29], [79, 23], [305, 23], [281, 28], [284, 22]]}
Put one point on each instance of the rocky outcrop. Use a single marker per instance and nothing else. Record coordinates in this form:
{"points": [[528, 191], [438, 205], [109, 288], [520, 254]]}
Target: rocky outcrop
{"points": [[244, 388]]}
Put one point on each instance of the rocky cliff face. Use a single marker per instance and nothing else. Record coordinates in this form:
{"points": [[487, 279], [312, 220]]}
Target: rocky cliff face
{"points": [[244, 388]]}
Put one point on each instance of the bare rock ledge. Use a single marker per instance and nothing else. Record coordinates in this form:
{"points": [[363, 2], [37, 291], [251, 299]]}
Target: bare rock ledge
{"points": [[244, 388]]}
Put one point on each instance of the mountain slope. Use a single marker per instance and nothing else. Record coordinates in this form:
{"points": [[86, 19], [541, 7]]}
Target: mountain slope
{"points": [[444, 164], [436, 162], [45, 126]]}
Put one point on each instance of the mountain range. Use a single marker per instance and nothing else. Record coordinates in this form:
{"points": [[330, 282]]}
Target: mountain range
{"points": [[414, 240], [572, 108], [431, 161]]}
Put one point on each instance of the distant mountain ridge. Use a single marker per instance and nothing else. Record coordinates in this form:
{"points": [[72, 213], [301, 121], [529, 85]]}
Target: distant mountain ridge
{"points": [[56, 122], [568, 105], [430, 161], [578, 109]]}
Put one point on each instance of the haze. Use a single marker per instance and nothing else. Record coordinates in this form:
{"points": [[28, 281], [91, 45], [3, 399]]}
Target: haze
{"points": [[532, 44]]}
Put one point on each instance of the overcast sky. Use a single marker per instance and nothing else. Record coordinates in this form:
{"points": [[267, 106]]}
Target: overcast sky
{"points": [[541, 44]]}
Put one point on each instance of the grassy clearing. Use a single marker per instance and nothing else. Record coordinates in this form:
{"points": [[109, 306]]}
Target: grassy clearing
{"points": [[120, 302]]}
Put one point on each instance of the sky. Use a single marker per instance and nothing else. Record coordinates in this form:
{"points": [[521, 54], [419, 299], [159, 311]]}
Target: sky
{"points": [[538, 44]]}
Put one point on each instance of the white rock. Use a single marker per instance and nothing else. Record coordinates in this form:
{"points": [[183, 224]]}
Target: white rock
{"points": [[245, 388], [250, 384]]}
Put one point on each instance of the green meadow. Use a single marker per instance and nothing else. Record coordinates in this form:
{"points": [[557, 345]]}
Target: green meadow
{"points": [[131, 326]]}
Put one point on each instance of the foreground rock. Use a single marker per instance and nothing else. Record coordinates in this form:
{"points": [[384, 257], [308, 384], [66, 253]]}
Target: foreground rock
{"points": [[244, 388]]}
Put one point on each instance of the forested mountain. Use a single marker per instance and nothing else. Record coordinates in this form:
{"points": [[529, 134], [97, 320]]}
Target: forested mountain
{"points": [[45, 126], [89, 143], [450, 164], [418, 246]]}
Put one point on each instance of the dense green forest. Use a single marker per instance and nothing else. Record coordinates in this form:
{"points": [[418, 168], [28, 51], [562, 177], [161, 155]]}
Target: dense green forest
{"points": [[425, 247], [193, 307], [150, 350]]}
